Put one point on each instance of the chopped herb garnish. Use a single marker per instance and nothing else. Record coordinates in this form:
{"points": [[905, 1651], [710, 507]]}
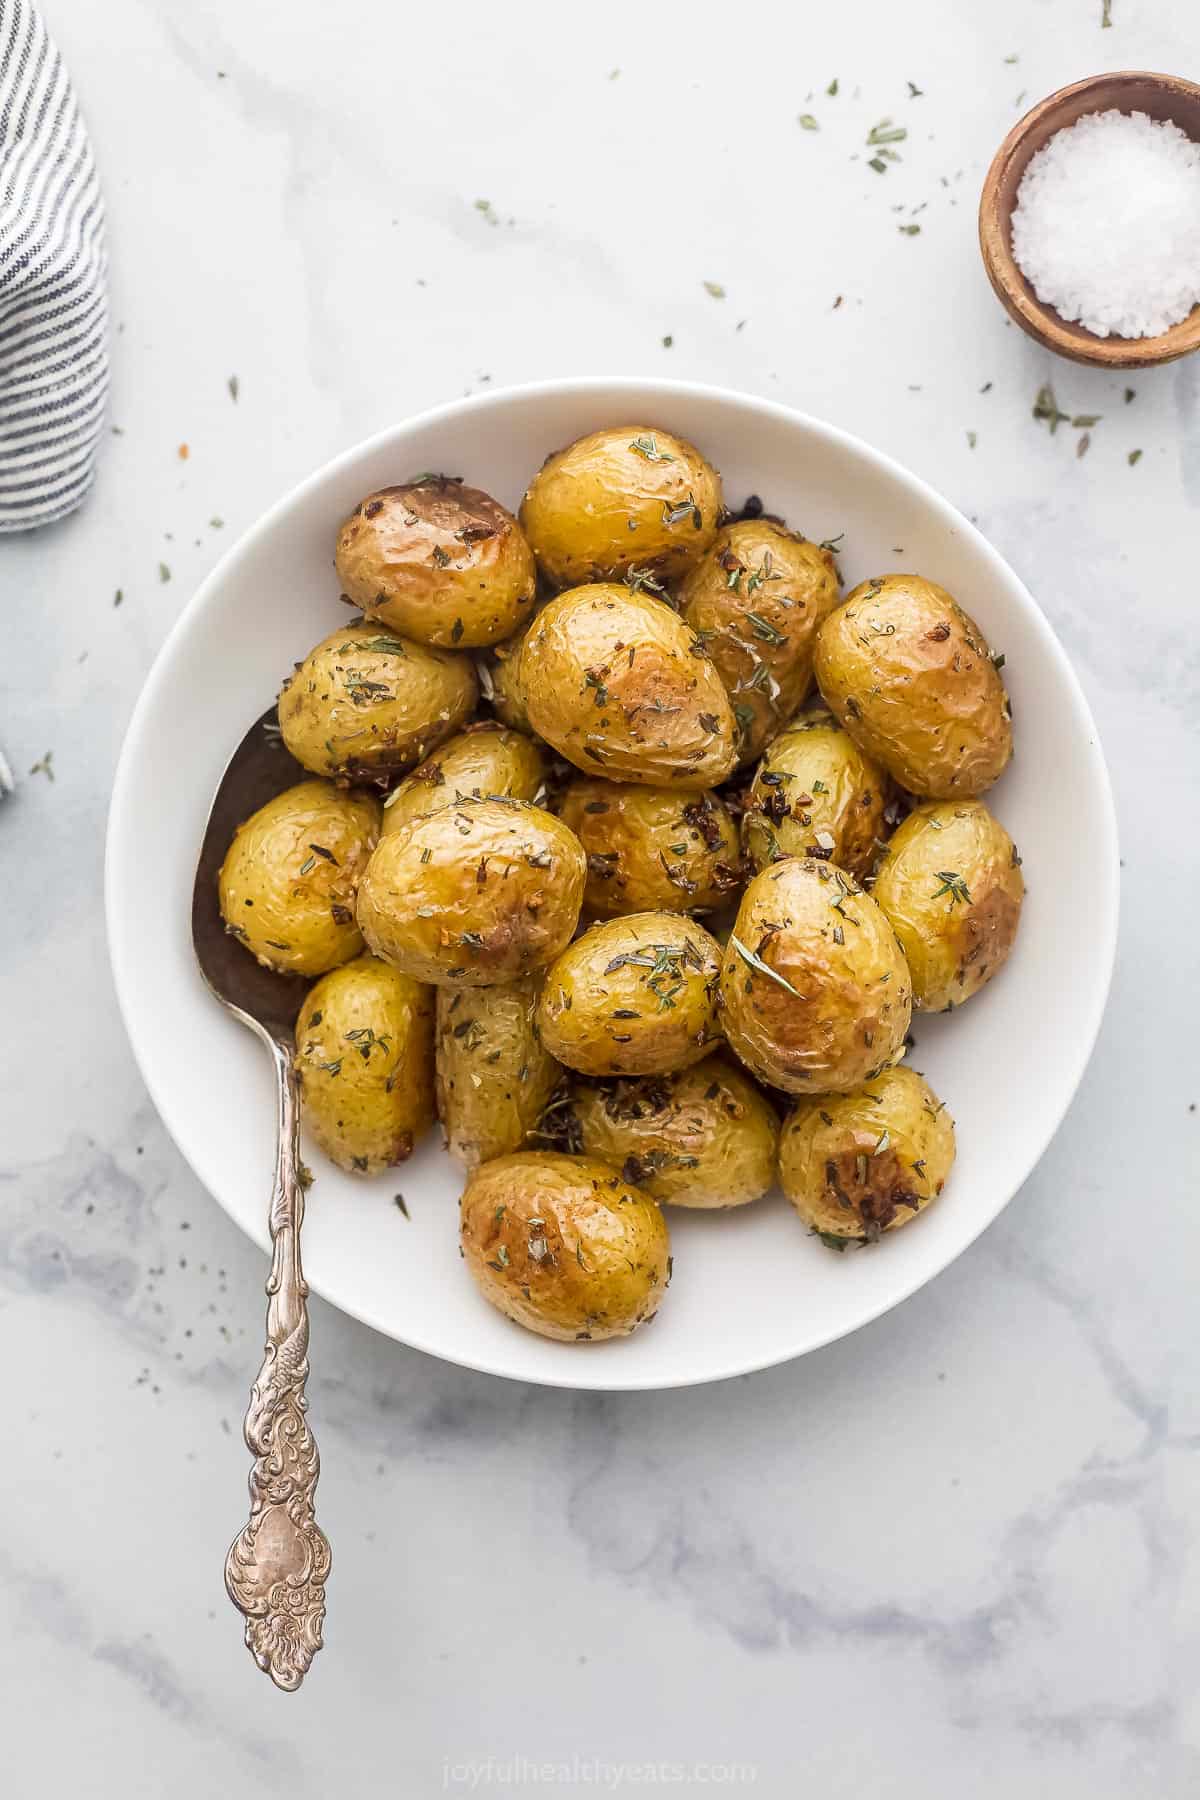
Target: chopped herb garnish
{"points": [[764, 631], [954, 885], [756, 962], [715, 289], [808, 123], [647, 446]]}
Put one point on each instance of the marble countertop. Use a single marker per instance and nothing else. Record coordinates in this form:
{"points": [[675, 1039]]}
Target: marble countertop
{"points": [[955, 1553]]}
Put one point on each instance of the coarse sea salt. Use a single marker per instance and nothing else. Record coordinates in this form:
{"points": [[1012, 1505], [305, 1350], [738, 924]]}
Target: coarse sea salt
{"points": [[1106, 228]]}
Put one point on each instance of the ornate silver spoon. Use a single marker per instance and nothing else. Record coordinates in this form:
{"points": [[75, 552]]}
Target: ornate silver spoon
{"points": [[278, 1564]]}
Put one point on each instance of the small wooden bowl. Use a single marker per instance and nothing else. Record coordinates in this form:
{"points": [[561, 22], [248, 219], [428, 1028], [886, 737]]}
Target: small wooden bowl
{"points": [[1162, 97]]}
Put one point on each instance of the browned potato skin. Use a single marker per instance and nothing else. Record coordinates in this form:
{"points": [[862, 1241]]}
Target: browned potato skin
{"points": [[365, 703], [705, 1137], [602, 507], [593, 983], [474, 894], [832, 1014], [630, 835], [484, 759], [912, 679], [859, 1164], [564, 1246], [364, 1054], [621, 687], [493, 1076], [441, 562], [290, 903], [762, 569], [950, 884], [815, 794]]}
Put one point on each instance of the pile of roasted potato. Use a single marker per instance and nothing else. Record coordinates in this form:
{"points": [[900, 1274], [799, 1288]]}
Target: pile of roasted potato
{"points": [[648, 753]]}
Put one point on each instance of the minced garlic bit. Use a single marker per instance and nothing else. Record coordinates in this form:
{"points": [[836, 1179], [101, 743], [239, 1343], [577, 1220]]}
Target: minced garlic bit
{"points": [[1106, 228]]}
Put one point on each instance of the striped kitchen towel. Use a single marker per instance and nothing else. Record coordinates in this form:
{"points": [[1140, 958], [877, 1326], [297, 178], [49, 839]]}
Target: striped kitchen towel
{"points": [[53, 299]]}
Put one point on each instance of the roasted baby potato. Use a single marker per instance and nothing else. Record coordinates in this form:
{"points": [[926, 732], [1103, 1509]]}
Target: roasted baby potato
{"points": [[912, 679], [652, 849], [633, 996], [950, 885], [493, 1076], [756, 599], [365, 703], [627, 498], [289, 881], [815, 993], [478, 893], [500, 682], [618, 684], [364, 1054], [855, 1165], [564, 1245], [815, 794], [704, 1137], [484, 760], [441, 562]]}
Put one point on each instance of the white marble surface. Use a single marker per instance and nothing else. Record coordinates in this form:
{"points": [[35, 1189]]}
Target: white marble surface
{"points": [[956, 1553]]}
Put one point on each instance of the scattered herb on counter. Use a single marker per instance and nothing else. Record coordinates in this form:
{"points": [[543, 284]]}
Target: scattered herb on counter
{"points": [[44, 766], [1135, 456], [164, 573], [401, 1205], [808, 123], [667, 341], [877, 163], [914, 92], [1084, 421], [832, 89], [235, 388], [1105, 15], [715, 289], [909, 230], [118, 596], [1129, 394], [972, 440], [886, 133], [1084, 444], [486, 208], [1046, 407]]}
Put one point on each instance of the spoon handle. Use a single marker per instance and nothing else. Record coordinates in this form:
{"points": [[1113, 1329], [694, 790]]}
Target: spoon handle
{"points": [[278, 1564]]}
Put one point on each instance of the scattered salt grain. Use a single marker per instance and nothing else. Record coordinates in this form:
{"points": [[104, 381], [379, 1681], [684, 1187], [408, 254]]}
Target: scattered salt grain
{"points": [[1106, 228]]}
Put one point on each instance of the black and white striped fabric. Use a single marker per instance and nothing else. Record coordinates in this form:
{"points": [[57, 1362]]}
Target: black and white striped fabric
{"points": [[53, 298]]}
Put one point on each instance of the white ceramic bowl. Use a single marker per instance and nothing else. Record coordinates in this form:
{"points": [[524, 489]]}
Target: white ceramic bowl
{"points": [[751, 1288]]}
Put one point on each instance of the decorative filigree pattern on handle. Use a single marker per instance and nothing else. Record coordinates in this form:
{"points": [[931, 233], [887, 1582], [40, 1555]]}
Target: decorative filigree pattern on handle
{"points": [[278, 1564]]}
